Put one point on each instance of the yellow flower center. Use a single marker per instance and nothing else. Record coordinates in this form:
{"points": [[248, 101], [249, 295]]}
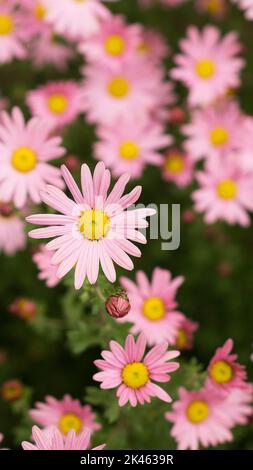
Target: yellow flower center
{"points": [[57, 103], [129, 150], [24, 159], [115, 45], [197, 411], [182, 339], [174, 163], [219, 136], [118, 87], [70, 421], [6, 25], [227, 189], [221, 372], [135, 375], [39, 11], [153, 308], [143, 48], [93, 224], [214, 6], [205, 68]]}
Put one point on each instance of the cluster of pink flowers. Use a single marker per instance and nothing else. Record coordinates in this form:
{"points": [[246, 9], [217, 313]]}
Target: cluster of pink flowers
{"points": [[205, 417]]}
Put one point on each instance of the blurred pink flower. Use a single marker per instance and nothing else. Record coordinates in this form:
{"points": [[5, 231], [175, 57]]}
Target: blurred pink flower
{"points": [[23, 308], [208, 64], [177, 167], [94, 228], [25, 151], [246, 6], [46, 49], [57, 102], [115, 42], [239, 403], [127, 147], [33, 17], [65, 414], [200, 418], [52, 439], [133, 374], [225, 193], [153, 306], [152, 46], [215, 8], [47, 270], [224, 373], [12, 230], [75, 19], [11, 34], [184, 339]]}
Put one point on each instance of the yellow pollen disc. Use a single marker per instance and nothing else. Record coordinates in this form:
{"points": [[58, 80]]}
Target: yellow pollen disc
{"points": [[214, 6], [57, 103], [197, 411], [24, 159], [143, 48], [94, 224], [129, 150], [205, 68], [115, 45], [153, 308], [227, 189], [70, 421], [40, 11], [118, 87], [182, 339], [6, 25], [219, 136], [135, 375], [174, 163], [221, 372]]}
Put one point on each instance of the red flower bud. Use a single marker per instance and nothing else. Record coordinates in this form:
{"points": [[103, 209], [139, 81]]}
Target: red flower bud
{"points": [[177, 115], [118, 305], [12, 390]]}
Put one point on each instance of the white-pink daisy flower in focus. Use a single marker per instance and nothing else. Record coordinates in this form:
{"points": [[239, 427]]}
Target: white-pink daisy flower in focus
{"points": [[208, 64], [225, 192], [57, 102], [11, 34], [200, 418], [94, 228], [48, 50], [133, 374], [12, 230], [131, 92], [65, 414], [184, 339], [224, 373], [115, 42], [153, 306], [127, 147], [52, 439], [47, 270], [177, 167], [26, 149], [214, 131], [75, 19]]}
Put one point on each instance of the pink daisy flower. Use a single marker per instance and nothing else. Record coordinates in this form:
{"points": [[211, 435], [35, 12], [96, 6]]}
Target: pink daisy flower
{"points": [[184, 339], [224, 373], [75, 19], [115, 42], [47, 270], [153, 306], [133, 374], [200, 418], [12, 231], [178, 168], [11, 34], [65, 414], [47, 49], [57, 102], [208, 64], [25, 151], [225, 193], [215, 8], [246, 6], [129, 147], [131, 92], [52, 439], [239, 402], [94, 228], [152, 46], [214, 131], [33, 18]]}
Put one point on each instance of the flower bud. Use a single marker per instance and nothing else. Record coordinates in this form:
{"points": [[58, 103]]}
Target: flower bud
{"points": [[23, 308], [12, 390], [118, 305]]}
